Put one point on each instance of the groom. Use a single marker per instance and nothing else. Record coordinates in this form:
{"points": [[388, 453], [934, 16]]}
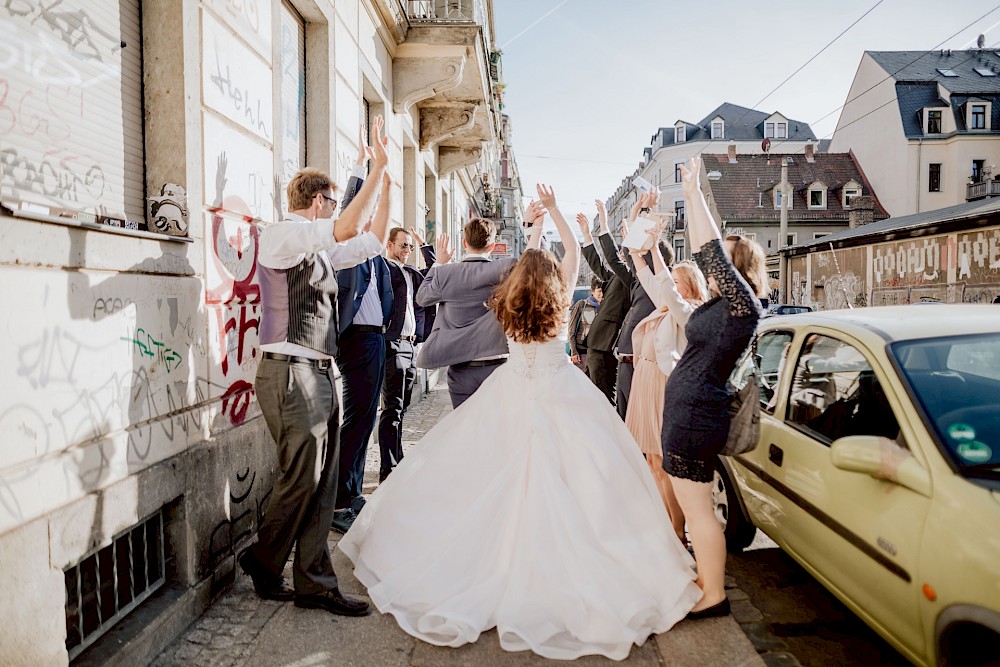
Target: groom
{"points": [[466, 337]]}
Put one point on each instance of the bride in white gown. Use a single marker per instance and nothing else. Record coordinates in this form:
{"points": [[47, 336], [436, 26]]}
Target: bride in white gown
{"points": [[530, 508]]}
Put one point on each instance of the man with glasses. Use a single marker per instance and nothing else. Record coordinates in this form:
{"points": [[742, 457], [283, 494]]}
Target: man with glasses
{"points": [[406, 329], [298, 259]]}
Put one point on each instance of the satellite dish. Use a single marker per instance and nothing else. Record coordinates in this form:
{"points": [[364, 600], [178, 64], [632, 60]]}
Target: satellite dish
{"points": [[981, 41], [765, 145]]}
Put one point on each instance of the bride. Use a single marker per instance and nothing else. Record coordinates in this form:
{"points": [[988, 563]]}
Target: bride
{"points": [[530, 508]]}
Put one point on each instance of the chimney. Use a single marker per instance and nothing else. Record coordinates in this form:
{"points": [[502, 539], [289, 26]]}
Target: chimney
{"points": [[732, 151], [862, 211], [809, 152]]}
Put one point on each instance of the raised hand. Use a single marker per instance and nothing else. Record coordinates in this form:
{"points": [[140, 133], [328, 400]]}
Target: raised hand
{"points": [[535, 214], [602, 213], [689, 174], [624, 229], [379, 143], [364, 152], [418, 236], [444, 249], [584, 223], [546, 195]]}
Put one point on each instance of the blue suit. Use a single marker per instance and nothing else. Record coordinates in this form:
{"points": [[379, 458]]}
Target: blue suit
{"points": [[361, 359]]}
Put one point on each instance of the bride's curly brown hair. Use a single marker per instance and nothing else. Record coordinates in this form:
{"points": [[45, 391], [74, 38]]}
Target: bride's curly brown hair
{"points": [[531, 302]]}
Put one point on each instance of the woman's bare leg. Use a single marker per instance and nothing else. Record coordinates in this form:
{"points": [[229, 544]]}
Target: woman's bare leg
{"points": [[667, 494], [707, 538]]}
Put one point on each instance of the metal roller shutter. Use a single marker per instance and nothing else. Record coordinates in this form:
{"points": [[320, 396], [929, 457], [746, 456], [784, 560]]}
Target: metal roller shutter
{"points": [[71, 138]]}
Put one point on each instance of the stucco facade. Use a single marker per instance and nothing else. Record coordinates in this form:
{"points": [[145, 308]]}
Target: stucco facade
{"points": [[130, 354]]}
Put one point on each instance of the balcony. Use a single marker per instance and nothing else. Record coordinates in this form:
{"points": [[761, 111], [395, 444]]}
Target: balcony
{"points": [[981, 190], [441, 69]]}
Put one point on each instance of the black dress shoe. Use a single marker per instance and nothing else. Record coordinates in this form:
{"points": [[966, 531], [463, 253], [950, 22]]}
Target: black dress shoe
{"points": [[268, 585], [720, 609], [334, 602]]}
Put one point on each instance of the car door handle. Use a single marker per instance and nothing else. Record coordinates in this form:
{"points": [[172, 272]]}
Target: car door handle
{"points": [[776, 454]]}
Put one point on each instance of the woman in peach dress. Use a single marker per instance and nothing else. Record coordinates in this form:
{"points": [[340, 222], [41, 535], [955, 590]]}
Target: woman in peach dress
{"points": [[658, 342]]}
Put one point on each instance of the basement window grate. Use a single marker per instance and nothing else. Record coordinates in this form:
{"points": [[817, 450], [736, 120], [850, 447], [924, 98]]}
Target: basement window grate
{"points": [[109, 583]]}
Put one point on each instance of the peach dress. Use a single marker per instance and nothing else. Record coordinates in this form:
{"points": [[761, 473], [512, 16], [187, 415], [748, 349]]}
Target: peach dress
{"points": [[644, 417]]}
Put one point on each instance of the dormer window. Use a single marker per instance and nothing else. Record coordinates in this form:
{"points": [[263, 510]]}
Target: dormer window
{"points": [[718, 128], [781, 131], [934, 121], [777, 199], [850, 191], [817, 196], [769, 130], [978, 117], [680, 134]]}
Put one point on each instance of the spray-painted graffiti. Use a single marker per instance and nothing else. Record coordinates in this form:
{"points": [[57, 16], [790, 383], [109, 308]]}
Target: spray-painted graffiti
{"points": [[842, 291], [979, 255], [156, 350], [907, 263], [243, 515]]}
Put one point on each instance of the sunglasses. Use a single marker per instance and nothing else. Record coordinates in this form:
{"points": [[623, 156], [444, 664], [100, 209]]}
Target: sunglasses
{"points": [[406, 245], [329, 199]]}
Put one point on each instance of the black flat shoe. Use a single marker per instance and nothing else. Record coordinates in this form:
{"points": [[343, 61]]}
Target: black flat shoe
{"points": [[334, 602], [267, 585], [720, 609]]}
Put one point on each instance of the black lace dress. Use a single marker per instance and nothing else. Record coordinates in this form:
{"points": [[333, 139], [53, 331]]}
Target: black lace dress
{"points": [[695, 408]]}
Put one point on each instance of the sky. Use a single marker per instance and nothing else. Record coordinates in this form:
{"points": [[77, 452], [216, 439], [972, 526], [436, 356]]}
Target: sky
{"points": [[588, 84]]}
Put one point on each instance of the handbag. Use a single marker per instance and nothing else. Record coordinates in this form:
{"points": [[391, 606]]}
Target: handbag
{"points": [[744, 415]]}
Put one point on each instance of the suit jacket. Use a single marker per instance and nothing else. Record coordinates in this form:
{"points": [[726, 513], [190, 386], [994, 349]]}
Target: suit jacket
{"points": [[352, 283], [639, 305], [464, 329], [666, 323], [614, 305], [399, 296]]}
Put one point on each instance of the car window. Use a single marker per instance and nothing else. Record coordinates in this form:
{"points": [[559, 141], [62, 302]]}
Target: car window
{"points": [[772, 347], [835, 393], [980, 357]]}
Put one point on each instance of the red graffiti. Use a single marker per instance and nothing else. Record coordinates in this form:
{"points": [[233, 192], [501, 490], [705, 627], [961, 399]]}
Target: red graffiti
{"points": [[235, 254], [232, 335], [240, 393]]}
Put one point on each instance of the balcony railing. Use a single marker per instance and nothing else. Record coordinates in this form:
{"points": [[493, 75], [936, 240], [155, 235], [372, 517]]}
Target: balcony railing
{"points": [[472, 11], [982, 190]]}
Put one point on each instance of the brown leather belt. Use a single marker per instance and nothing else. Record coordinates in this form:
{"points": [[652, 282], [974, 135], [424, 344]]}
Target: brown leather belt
{"points": [[321, 364]]}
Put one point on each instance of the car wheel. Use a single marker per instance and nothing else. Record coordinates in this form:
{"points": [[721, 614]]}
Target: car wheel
{"points": [[969, 645], [738, 529]]}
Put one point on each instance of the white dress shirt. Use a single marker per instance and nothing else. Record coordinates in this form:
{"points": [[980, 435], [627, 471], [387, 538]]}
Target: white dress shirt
{"points": [[409, 319], [282, 245], [370, 311]]}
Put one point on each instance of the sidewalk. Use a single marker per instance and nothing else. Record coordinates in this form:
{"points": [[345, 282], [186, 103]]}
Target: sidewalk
{"points": [[241, 629]]}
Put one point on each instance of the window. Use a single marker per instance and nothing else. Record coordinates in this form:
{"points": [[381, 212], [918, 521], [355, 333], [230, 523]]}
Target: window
{"points": [[677, 172], [946, 72], [679, 250], [934, 122], [770, 350], [292, 102], [985, 71], [782, 132], [791, 238], [977, 117], [769, 130], [934, 177], [71, 111], [851, 191], [817, 198], [679, 213], [835, 393], [717, 129], [680, 134], [777, 199], [819, 235]]}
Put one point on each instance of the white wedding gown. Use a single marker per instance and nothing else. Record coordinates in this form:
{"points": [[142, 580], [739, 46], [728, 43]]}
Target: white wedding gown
{"points": [[529, 509]]}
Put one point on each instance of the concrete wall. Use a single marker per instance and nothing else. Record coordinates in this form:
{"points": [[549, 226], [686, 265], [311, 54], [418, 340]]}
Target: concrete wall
{"points": [[962, 267], [130, 359]]}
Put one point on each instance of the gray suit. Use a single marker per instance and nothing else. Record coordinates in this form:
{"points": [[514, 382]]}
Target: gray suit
{"points": [[465, 329]]}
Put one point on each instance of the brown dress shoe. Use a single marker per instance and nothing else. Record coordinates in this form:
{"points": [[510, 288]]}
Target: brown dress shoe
{"points": [[334, 602]]}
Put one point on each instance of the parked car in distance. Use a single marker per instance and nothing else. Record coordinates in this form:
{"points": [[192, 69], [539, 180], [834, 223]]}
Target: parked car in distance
{"points": [[786, 309], [878, 468]]}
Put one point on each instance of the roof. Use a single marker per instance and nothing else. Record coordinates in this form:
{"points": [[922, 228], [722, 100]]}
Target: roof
{"points": [[743, 185], [742, 124], [907, 322], [923, 66], [964, 211]]}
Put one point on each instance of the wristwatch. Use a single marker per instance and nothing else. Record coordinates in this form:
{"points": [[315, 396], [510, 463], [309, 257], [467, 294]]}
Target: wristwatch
{"points": [[645, 209]]}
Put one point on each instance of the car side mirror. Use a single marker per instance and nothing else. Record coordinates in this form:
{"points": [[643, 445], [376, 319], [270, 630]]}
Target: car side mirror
{"points": [[881, 458]]}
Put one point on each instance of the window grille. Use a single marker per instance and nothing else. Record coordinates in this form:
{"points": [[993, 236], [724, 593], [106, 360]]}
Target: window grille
{"points": [[109, 583]]}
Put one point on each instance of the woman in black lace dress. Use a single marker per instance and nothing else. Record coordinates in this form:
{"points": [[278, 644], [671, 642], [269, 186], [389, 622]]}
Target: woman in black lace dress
{"points": [[695, 411]]}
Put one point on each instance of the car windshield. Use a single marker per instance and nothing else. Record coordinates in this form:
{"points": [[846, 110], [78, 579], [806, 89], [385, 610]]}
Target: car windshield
{"points": [[957, 381]]}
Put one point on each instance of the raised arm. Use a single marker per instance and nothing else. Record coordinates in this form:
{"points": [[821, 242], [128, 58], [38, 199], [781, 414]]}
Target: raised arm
{"points": [[534, 218], [570, 266], [701, 227], [360, 209], [380, 223]]}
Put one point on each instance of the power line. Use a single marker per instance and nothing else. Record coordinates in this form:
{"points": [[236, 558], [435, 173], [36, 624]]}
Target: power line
{"points": [[565, 159], [534, 23]]}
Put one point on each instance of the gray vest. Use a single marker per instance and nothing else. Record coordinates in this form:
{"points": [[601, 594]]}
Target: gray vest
{"points": [[299, 305]]}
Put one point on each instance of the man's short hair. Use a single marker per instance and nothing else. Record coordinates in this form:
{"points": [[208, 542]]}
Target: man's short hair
{"points": [[395, 231], [479, 233], [596, 284], [304, 186]]}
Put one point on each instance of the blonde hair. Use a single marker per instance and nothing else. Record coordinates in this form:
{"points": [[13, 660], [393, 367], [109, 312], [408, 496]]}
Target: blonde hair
{"points": [[749, 259], [304, 186], [688, 273], [531, 301]]}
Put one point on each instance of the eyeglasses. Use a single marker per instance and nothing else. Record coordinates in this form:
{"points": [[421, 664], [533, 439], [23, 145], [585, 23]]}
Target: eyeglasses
{"points": [[329, 199], [406, 245]]}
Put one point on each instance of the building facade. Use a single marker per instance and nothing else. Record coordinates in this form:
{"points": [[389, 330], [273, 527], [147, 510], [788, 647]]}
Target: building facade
{"points": [[726, 127], [142, 145], [925, 126]]}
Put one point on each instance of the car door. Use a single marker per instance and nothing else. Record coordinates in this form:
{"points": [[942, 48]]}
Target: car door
{"points": [[860, 535]]}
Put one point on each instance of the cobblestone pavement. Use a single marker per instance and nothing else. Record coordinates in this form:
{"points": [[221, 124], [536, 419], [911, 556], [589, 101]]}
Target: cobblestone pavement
{"points": [[241, 629]]}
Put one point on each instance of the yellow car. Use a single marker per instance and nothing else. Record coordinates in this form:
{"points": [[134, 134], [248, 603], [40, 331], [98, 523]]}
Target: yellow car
{"points": [[878, 468]]}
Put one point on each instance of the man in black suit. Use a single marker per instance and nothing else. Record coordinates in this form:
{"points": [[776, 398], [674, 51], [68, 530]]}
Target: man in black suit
{"points": [[601, 363], [406, 329], [365, 305]]}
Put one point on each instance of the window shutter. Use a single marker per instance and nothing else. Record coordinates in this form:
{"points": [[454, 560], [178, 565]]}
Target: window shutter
{"points": [[71, 136]]}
